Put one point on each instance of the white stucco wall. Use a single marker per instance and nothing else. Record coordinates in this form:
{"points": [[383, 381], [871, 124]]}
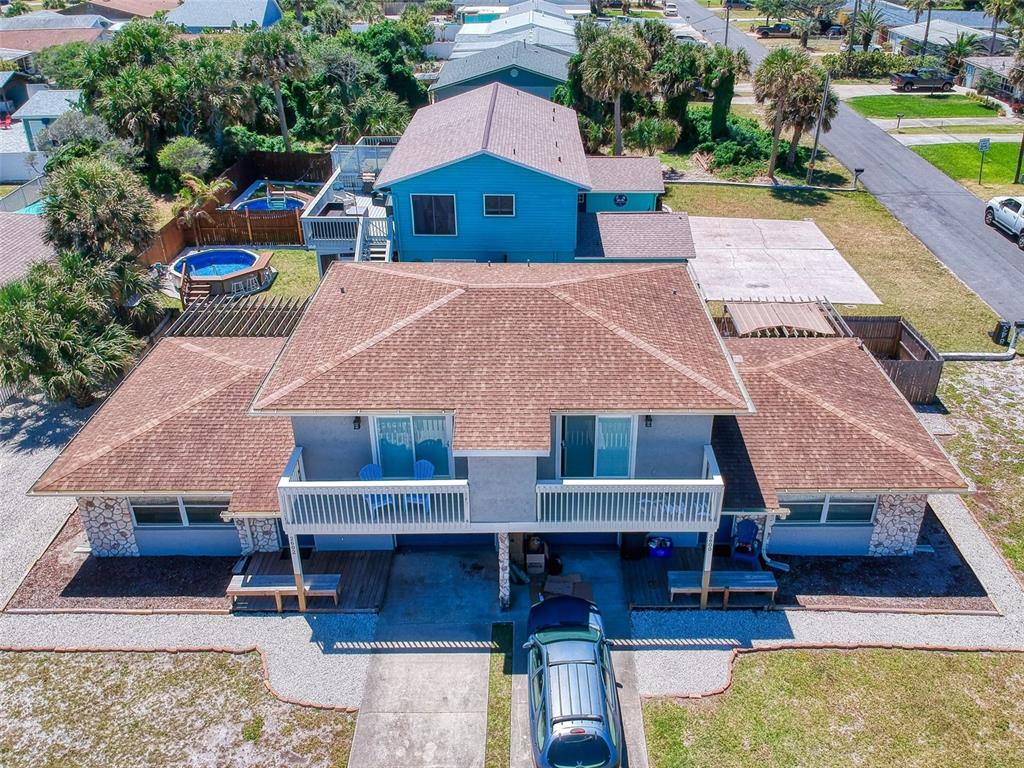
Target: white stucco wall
{"points": [[331, 448]]}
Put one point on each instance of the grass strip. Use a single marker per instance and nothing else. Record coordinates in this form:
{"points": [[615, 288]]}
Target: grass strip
{"points": [[499, 698]]}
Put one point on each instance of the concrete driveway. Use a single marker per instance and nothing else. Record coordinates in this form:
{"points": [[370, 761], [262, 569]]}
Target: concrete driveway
{"points": [[770, 258]]}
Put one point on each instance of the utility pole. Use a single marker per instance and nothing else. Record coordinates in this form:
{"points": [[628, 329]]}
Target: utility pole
{"points": [[817, 128], [1020, 159], [728, 9], [853, 24]]}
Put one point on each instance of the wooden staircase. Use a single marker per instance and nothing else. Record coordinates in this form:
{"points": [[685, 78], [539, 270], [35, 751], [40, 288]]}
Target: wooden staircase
{"points": [[189, 290]]}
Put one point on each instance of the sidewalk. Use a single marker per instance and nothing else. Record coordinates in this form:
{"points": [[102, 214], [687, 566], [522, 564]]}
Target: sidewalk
{"points": [[919, 139]]}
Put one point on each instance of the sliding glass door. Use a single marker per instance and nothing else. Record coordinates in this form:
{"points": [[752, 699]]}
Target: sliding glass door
{"points": [[597, 446], [404, 440]]}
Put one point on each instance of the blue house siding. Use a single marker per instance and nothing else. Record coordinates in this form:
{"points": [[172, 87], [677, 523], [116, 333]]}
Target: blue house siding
{"points": [[543, 228], [636, 202], [531, 82]]}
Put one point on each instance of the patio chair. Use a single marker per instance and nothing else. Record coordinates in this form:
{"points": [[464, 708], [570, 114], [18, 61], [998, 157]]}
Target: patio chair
{"points": [[5, 123], [421, 470], [372, 473], [744, 543]]}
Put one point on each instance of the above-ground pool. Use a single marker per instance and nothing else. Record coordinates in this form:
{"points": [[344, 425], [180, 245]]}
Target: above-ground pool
{"points": [[215, 262], [273, 204]]}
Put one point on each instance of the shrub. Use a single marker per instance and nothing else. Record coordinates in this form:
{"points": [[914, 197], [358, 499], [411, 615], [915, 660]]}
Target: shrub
{"points": [[186, 154], [652, 135], [873, 63], [744, 153]]}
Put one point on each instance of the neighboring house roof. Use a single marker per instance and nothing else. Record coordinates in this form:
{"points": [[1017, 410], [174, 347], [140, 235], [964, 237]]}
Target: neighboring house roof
{"points": [[144, 8], [941, 32], [541, 6], [36, 40], [533, 58], [656, 235], [531, 27], [11, 74], [47, 104], [178, 424], [224, 14], [625, 174], [828, 419], [23, 244], [503, 347], [51, 20], [13, 54], [495, 120], [1001, 65]]}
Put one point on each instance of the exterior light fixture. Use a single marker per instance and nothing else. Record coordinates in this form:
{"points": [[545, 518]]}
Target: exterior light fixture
{"points": [[357, 422], [648, 420]]}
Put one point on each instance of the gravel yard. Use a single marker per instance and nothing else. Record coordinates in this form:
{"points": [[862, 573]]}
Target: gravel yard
{"points": [[184, 709]]}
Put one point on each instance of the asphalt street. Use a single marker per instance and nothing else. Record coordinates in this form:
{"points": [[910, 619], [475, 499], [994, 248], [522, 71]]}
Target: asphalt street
{"points": [[941, 213]]}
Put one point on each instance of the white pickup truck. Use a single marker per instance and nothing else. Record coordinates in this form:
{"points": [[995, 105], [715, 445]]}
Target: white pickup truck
{"points": [[1007, 213]]}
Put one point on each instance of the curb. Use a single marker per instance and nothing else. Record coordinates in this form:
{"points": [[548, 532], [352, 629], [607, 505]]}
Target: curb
{"points": [[233, 650]]}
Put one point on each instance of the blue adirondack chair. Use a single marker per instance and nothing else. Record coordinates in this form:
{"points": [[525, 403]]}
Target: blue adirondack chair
{"points": [[372, 473], [421, 470], [744, 542]]}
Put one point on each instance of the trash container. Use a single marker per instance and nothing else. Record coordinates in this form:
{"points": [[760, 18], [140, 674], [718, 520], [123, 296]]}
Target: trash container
{"points": [[659, 546], [1001, 334]]}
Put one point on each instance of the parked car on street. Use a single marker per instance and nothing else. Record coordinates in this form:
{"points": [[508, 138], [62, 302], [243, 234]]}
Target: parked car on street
{"points": [[1007, 213], [671, 9], [872, 48], [925, 79], [835, 31], [779, 29], [574, 705], [744, 4]]}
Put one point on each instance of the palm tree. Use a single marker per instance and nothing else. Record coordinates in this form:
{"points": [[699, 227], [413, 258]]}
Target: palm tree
{"points": [[783, 73], [918, 7], [96, 207], [651, 135], [870, 21], [803, 109], [130, 103], [269, 56], [957, 51], [195, 197], [613, 65], [588, 31], [804, 27], [379, 113], [770, 9], [655, 36], [720, 66], [17, 8], [677, 73], [998, 9], [929, 4]]}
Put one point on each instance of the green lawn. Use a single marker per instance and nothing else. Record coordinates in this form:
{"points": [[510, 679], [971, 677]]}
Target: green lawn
{"points": [[935, 105], [634, 13], [499, 698], [962, 161], [835, 709], [297, 273], [981, 130], [904, 274], [986, 409], [6, 189], [94, 710]]}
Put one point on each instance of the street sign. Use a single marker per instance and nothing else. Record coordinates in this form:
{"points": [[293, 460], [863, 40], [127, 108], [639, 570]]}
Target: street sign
{"points": [[983, 145]]}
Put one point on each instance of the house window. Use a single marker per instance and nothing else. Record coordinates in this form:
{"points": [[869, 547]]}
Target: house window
{"points": [[836, 508], [597, 446], [401, 441], [176, 511], [433, 215], [499, 205]]}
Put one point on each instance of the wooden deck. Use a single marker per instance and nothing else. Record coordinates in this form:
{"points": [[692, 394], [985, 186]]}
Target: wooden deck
{"points": [[364, 579], [646, 580]]}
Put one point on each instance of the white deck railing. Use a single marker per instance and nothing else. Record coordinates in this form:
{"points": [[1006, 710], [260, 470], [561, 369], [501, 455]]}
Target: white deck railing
{"points": [[633, 505], [356, 507]]}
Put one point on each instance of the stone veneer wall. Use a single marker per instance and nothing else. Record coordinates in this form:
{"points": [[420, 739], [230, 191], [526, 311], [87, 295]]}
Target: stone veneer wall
{"points": [[108, 525], [897, 524], [257, 534]]}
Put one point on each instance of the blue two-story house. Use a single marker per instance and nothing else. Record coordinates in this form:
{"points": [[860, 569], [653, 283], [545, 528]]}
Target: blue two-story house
{"points": [[477, 177]]}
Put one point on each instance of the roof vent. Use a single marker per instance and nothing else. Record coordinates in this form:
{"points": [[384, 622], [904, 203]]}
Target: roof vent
{"points": [[342, 289]]}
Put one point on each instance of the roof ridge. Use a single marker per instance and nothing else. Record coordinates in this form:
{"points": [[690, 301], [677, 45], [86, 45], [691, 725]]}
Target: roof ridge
{"points": [[89, 458], [796, 357], [943, 469], [362, 346], [490, 118], [630, 269], [650, 349], [187, 344]]}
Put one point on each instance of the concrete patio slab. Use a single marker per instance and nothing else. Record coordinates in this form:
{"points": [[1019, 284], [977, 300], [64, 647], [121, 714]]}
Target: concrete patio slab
{"points": [[770, 258]]}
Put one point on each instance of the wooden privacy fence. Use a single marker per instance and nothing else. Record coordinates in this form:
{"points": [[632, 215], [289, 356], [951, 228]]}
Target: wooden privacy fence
{"points": [[912, 364], [231, 227]]}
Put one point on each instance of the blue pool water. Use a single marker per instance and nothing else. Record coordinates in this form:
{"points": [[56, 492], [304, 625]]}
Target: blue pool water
{"points": [[275, 204], [34, 209], [480, 18], [216, 262]]}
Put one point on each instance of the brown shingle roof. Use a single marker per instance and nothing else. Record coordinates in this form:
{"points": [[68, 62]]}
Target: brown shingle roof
{"points": [[504, 346], [828, 419], [625, 174], [497, 120], [144, 8], [36, 40], [655, 235], [178, 423], [23, 244]]}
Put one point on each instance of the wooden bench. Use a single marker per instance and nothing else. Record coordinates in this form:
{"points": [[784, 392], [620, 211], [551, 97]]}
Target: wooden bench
{"points": [[727, 582], [691, 582], [283, 585]]}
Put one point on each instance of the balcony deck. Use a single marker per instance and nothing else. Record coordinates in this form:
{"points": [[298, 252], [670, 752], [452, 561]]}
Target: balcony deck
{"points": [[364, 579]]}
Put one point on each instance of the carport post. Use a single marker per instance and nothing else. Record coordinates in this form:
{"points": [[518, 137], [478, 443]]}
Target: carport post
{"points": [[504, 587], [709, 549], [293, 546]]}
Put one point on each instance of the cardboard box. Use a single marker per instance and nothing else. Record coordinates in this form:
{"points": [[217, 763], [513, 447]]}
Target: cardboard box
{"points": [[537, 562]]}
